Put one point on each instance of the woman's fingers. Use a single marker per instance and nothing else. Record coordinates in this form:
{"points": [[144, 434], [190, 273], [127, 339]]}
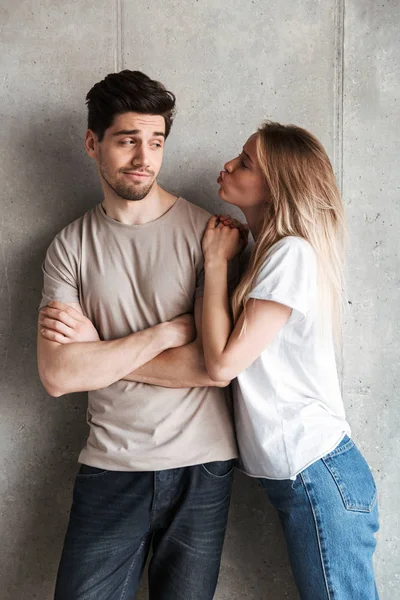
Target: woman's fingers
{"points": [[226, 221], [213, 222], [217, 222]]}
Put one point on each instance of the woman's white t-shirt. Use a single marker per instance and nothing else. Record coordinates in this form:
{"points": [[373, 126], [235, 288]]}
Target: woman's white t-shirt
{"points": [[288, 406]]}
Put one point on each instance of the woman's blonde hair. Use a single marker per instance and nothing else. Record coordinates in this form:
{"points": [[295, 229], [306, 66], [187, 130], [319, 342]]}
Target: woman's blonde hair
{"points": [[303, 200]]}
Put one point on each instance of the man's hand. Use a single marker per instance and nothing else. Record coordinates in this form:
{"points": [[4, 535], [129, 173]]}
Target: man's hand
{"points": [[183, 330], [62, 323]]}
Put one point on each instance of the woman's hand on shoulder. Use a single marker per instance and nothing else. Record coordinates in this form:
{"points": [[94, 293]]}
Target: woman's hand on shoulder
{"points": [[224, 238]]}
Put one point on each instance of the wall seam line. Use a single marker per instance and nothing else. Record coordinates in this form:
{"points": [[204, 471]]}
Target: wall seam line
{"points": [[338, 101], [118, 49], [339, 92]]}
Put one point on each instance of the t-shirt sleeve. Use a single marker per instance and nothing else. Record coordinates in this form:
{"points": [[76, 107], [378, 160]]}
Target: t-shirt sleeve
{"points": [[59, 275], [287, 276]]}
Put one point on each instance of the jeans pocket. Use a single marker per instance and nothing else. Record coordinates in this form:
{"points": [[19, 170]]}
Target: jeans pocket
{"points": [[219, 469], [352, 476], [88, 471]]}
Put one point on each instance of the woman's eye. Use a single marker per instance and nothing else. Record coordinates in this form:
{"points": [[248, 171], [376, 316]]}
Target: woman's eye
{"points": [[243, 164]]}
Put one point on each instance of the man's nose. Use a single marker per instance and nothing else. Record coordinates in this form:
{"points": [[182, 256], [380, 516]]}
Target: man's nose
{"points": [[141, 156]]}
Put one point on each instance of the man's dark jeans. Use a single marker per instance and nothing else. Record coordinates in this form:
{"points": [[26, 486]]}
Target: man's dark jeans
{"points": [[116, 517]]}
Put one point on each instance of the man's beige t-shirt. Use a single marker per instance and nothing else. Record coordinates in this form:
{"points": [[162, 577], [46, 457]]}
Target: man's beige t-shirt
{"points": [[127, 278]]}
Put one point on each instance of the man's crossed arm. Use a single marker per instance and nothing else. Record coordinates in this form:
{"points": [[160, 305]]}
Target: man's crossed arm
{"points": [[182, 367], [71, 357]]}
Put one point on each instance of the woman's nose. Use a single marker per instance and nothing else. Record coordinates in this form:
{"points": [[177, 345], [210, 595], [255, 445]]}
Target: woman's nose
{"points": [[229, 166]]}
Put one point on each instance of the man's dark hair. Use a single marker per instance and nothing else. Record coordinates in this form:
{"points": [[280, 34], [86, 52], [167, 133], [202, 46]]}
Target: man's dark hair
{"points": [[127, 91]]}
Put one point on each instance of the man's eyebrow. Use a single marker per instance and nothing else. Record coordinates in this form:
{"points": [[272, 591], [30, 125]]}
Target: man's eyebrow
{"points": [[247, 155], [136, 131]]}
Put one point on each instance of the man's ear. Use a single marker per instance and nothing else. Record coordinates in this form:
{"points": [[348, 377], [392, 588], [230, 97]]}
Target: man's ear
{"points": [[91, 142]]}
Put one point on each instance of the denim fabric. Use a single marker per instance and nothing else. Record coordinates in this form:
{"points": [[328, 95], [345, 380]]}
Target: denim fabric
{"points": [[116, 517], [329, 516]]}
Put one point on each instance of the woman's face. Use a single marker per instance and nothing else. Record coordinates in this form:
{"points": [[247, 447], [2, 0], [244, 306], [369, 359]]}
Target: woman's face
{"points": [[242, 183]]}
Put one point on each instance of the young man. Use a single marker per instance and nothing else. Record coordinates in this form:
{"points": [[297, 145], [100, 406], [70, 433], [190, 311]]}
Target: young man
{"points": [[157, 466]]}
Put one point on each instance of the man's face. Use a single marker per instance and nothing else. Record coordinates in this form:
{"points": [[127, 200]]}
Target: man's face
{"points": [[130, 155]]}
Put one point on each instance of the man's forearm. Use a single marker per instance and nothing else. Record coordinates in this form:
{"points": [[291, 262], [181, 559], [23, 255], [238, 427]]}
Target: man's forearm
{"points": [[89, 366], [176, 368]]}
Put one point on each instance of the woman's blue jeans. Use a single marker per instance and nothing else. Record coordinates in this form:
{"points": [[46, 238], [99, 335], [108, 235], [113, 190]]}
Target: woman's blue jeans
{"points": [[329, 516]]}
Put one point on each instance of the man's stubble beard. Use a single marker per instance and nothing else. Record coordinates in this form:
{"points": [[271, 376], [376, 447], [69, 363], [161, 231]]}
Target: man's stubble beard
{"points": [[124, 191]]}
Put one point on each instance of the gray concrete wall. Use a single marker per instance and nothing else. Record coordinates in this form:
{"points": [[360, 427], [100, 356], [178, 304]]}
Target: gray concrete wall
{"points": [[327, 66]]}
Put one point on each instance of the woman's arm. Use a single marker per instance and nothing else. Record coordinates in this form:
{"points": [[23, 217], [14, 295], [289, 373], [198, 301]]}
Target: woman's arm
{"points": [[182, 367], [229, 350]]}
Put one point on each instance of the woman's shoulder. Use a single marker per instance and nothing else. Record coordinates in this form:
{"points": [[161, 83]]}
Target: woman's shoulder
{"points": [[291, 246], [292, 241]]}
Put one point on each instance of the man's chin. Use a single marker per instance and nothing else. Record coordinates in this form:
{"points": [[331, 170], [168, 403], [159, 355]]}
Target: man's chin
{"points": [[135, 194]]}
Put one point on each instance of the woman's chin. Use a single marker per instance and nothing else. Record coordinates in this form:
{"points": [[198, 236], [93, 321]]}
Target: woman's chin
{"points": [[223, 195]]}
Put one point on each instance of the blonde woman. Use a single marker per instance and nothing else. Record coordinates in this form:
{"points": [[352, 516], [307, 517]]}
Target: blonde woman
{"points": [[291, 426]]}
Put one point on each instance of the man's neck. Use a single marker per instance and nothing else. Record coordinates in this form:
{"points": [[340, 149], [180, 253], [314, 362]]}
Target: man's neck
{"points": [[139, 212]]}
